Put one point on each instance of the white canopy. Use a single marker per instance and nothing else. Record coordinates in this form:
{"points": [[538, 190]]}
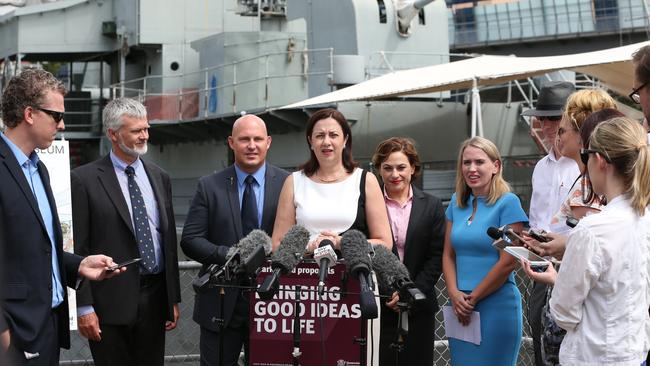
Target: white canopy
{"points": [[612, 66]]}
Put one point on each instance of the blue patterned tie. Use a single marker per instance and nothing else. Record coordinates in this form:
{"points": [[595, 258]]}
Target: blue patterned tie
{"points": [[249, 218], [141, 223]]}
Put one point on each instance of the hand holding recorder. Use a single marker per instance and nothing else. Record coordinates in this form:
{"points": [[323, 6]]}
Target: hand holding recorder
{"points": [[511, 242], [554, 245]]}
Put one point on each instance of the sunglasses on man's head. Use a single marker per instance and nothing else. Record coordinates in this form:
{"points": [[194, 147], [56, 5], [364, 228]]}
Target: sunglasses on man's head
{"points": [[584, 155], [57, 116]]}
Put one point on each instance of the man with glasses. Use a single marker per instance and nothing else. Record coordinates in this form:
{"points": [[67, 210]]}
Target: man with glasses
{"points": [[35, 269], [551, 181], [640, 89], [640, 93]]}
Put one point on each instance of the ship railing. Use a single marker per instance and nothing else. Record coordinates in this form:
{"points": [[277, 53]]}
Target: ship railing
{"points": [[188, 94], [534, 19], [383, 62]]}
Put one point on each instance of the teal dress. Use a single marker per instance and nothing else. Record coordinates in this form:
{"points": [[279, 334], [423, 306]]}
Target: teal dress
{"points": [[501, 318]]}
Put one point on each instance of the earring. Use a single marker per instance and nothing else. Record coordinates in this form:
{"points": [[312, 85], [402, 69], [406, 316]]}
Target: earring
{"points": [[344, 146]]}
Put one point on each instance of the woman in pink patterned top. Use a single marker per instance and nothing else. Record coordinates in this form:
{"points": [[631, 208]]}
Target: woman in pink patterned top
{"points": [[417, 222]]}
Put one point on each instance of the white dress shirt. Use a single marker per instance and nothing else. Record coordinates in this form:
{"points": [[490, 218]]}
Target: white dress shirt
{"points": [[551, 181], [601, 295]]}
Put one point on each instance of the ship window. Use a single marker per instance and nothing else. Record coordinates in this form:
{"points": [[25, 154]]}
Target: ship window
{"points": [[382, 11], [174, 66], [421, 17]]}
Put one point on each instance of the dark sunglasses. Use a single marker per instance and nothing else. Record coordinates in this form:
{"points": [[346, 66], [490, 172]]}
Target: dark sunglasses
{"points": [[634, 95], [584, 155], [57, 116], [550, 118]]}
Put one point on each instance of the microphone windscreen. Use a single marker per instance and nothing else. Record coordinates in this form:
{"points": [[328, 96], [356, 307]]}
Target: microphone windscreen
{"points": [[291, 248], [247, 245], [494, 233], [388, 267], [256, 238], [354, 247]]}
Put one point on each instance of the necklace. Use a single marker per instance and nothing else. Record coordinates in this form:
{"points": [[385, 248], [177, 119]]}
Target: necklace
{"points": [[332, 180]]}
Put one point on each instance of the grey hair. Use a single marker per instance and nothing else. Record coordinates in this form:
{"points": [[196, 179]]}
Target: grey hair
{"points": [[119, 107]]}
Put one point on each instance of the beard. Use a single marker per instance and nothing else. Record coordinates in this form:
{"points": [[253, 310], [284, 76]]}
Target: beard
{"points": [[135, 151]]}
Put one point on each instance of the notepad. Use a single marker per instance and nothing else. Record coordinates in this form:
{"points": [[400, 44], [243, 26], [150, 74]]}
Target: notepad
{"points": [[454, 329]]}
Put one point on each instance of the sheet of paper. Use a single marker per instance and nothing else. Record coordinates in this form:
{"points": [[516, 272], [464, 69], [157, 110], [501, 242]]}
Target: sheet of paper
{"points": [[454, 329]]}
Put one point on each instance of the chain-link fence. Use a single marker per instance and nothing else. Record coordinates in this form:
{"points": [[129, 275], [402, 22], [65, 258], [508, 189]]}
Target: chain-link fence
{"points": [[182, 345]]}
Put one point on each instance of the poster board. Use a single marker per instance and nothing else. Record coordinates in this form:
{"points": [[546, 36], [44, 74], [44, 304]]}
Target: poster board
{"points": [[57, 161]]}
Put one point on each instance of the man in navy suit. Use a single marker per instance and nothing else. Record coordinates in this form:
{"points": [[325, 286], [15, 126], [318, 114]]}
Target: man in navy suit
{"points": [[226, 207], [35, 269]]}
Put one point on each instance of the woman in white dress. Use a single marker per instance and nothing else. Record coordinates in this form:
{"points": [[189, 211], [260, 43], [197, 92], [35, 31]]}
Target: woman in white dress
{"points": [[329, 194]]}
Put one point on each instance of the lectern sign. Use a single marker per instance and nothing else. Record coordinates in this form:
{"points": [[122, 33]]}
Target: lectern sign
{"points": [[334, 319]]}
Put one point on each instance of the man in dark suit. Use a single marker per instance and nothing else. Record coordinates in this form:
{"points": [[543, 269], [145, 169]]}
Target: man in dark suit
{"points": [[226, 207], [35, 269], [122, 206]]}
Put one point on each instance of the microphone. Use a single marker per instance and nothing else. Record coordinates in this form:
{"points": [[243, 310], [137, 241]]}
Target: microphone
{"points": [[284, 259], [200, 282], [326, 256], [249, 244], [505, 233], [495, 233], [251, 248], [392, 274], [354, 246]]}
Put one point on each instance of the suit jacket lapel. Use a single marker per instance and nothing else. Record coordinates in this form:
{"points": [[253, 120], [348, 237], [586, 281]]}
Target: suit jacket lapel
{"points": [[417, 210], [270, 192], [17, 173], [232, 186], [156, 184], [108, 180], [45, 177]]}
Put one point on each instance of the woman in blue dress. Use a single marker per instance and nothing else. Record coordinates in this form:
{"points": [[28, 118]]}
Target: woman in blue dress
{"points": [[478, 276]]}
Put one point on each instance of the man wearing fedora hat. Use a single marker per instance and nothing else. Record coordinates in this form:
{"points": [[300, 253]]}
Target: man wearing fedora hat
{"points": [[551, 181]]}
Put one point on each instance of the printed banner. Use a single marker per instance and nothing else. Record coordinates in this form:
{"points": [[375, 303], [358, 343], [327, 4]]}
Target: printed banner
{"points": [[57, 160], [331, 329]]}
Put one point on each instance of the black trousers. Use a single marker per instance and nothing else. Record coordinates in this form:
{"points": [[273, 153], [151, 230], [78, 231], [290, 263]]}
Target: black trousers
{"points": [[418, 344], [46, 345], [233, 339], [141, 343], [536, 303]]}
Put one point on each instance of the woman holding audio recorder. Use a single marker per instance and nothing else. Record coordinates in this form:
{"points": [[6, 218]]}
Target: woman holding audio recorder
{"points": [[601, 292]]}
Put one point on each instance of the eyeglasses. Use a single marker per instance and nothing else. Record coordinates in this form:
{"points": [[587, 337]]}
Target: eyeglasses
{"points": [[57, 116], [584, 155], [549, 118], [634, 95]]}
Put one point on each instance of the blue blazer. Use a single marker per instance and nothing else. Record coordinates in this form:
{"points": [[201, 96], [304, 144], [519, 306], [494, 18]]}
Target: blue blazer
{"points": [[26, 262], [213, 225]]}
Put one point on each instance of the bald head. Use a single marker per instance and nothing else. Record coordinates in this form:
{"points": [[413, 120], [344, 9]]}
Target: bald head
{"points": [[246, 121], [249, 142]]}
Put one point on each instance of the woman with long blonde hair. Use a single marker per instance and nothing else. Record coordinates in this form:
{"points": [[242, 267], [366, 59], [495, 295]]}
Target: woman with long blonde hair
{"points": [[478, 276]]}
